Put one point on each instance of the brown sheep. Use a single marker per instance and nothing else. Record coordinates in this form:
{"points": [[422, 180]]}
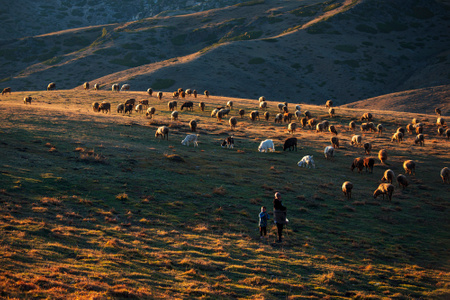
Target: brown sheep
{"points": [[447, 133], [366, 116], [380, 128], [253, 115], [174, 115], [420, 139], [130, 101], [298, 115], [445, 175], [332, 129], [312, 123], [357, 163], [384, 189], [86, 85], [401, 129], [402, 181], [410, 128], [175, 95], [182, 94], [368, 164], [347, 189], [115, 87], [331, 112], [188, 105], [120, 108], [104, 107], [172, 105], [414, 121], [193, 125], [329, 104], [279, 118], [242, 113], [150, 91], [364, 127], [287, 117], [356, 140], [352, 125], [206, 93], [150, 112], [162, 131], [367, 148], [144, 103], [232, 121], [440, 122], [307, 114], [441, 130], [319, 127], [202, 106], [27, 100], [334, 142], [410, 167], [51, 86], [398, 136], [388, 176], [128, 108], [304, 122], [419, 128], [194, 92], [292, 127], [267, 115], [95, 106], [326, 124], [382, 156], [6, 90], [159, 95]]}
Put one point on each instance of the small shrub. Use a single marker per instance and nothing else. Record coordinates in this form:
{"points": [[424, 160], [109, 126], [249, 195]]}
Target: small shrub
{"points": [[219, 190], [122, 196]]}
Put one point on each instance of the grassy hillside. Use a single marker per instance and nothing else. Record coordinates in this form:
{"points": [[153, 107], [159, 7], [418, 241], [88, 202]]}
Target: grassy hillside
{"points": [[94, 206], [307, 51]]}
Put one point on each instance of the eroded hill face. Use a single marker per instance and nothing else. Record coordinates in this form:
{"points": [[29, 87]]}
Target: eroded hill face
{"points": [[286, 51]]}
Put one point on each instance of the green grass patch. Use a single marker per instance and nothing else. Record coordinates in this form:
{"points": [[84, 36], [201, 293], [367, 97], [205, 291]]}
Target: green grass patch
{"points": [[179, 40], [256, 61], [161, 84]]}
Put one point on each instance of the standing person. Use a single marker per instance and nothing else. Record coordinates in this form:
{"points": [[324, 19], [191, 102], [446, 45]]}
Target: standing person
{"points": [[263, 217], [279, 215]]}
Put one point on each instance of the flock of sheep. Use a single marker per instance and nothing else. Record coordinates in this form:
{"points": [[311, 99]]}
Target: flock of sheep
{"points": [[305, 119]]}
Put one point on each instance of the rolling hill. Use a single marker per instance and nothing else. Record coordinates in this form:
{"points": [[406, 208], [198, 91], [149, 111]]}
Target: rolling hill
{"points": [[306, 51]]}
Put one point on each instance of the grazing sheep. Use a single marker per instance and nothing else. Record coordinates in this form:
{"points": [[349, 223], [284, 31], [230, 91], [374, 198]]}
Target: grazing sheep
{"points": [[445, 175], [285, 109], [202, 106], [95, 106], [278, 118], [326, 124], [232, 121], [384, 189], [388, 176], [438, 111], [419, 129], [214, 112], [125, 87], [261, 99], [367, 148], [281, 107], [27, 100], [188, 105], [332, 129], [347, 187], [139, 108], [410, 167], [194, 92], [365, 127], [190, 138], [150, 112], [298, 115], [221, 113], [253, 115], [329, 104], [312, 123], [352, 125], [401, 129], [180, 90], [189, 92], [104, 107], [440, 122], [162, 131], [357, 163], [356, 140], [182, 94], [290, 143], [331, 112], [266, 145], [144, 103], [120, 108], [174, 115], [128, 108], [307, 162], [263, 105], [402, 181], [175, 95], [398, 136], [366, 116], [230, 104], [292, 127], [51, 86], [304, 122], [307, 114], [193, 125], [334, 141], [7, 90], [229, 142], [382, 156], [369, 162], [414, 121], [410, 128], [172, 105], [380, 128], [319, 127], [242, 112], [329, 152], [441, 130], [96, 87], [206, 93], [130, 101], [225, 111], [86, 85], [115, 87], [420, 139], [447, 133], [159, 95], [267, 115], [287, 117], [150, 91]]}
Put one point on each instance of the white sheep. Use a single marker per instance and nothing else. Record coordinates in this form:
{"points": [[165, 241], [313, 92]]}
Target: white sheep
{"points": [[266, 145], [329, 152], [307, 162], [190, 138]]}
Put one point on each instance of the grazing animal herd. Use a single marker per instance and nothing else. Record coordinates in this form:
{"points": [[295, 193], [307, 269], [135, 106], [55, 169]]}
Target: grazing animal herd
{"points": [[385, 188]]}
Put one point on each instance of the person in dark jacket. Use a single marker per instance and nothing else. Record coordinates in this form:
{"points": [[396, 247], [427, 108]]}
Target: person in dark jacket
{"points": [[279, 215], [263, 217]]}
